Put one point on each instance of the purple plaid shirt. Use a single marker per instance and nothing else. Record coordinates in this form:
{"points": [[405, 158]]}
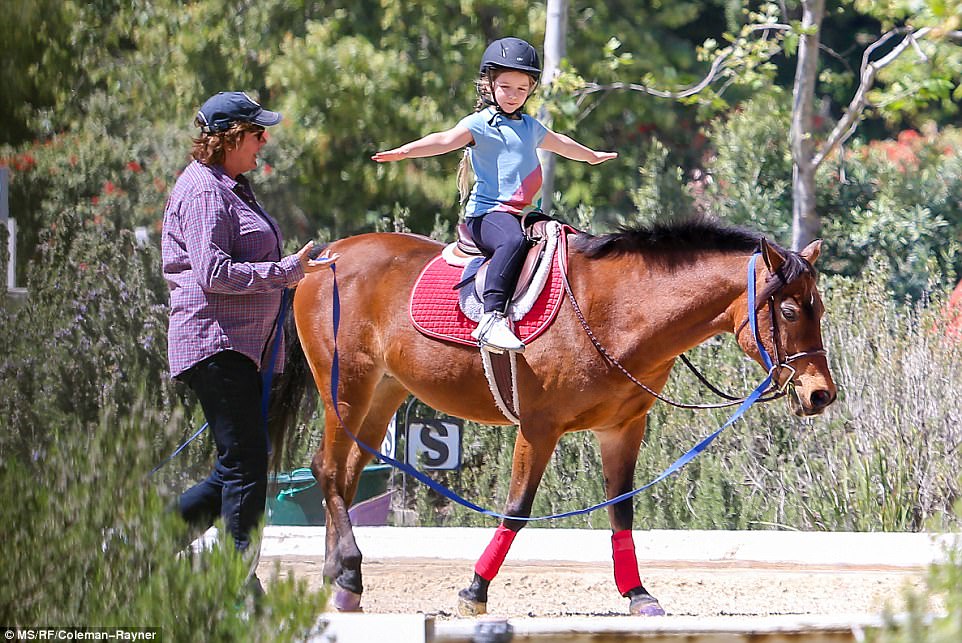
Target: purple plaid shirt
{"points": [[222, 262]]}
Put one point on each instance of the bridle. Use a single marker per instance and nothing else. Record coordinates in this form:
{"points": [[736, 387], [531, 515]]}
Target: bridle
{"points": [[773, 366]]}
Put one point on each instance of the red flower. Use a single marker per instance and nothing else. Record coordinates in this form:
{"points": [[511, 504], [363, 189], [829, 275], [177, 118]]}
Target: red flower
{"points": [[135, 167], [24, 162], [909, 136], [95, 200], [267, 168], [109, 187]]}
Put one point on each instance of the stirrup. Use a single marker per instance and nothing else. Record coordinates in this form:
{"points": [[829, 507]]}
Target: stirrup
{"points": [[494, 333]]}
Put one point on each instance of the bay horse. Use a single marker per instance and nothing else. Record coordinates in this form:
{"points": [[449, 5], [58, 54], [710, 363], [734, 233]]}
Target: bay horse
{"points": [[647, 295]]}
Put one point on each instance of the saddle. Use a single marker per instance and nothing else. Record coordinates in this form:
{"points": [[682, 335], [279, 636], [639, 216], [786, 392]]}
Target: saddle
{"points": [[445, 311], [541, 237]]}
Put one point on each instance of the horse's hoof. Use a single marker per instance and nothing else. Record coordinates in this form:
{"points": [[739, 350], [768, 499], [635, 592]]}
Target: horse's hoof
{"points": [[344, 600], [469, 607], [645, 605]]}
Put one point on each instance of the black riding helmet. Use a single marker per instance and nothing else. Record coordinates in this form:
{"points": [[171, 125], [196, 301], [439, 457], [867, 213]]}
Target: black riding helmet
{"points": [[512, 54]]}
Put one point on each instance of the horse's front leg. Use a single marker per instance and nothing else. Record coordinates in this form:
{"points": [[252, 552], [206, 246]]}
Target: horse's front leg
{"points": [[529, 462], [619, 452]]}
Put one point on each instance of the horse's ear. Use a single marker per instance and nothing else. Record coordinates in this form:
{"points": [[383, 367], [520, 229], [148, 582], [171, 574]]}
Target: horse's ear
{"points": [[811, 251], [773, 258]]}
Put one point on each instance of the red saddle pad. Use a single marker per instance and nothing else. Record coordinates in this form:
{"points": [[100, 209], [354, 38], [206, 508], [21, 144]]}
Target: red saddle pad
{"points": [[435, 311]]}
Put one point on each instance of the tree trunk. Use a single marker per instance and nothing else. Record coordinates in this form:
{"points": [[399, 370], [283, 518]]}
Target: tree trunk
{"points": [[554, 50], [805, 221]]}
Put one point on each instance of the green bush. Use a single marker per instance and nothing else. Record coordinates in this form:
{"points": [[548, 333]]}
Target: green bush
{"points": [[748, 178], [918, 624], [88, 542], [900, 199], [93, 318]]}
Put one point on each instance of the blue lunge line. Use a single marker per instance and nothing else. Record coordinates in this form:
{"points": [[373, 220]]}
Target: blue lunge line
{"points": [[266, 380], [179, 449], [674, 467]]}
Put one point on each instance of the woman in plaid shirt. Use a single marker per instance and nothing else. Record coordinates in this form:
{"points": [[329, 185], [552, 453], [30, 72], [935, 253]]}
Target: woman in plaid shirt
{"points": [[222, 261]]}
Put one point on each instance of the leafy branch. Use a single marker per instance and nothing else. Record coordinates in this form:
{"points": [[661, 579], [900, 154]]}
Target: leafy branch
{"points": [[868, 73]]}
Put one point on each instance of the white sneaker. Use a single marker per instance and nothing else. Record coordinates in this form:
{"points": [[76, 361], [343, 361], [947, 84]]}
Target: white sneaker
{"points": [[494, 332]]}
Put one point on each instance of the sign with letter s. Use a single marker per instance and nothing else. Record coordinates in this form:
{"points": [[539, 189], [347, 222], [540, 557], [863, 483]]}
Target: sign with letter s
{"points": [[435, 444]]}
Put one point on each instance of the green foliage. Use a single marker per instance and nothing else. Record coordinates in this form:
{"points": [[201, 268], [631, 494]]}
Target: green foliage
{"points": [[34, 59], [903, 199], [662, 193], [918, 625], [898, 198], [92, 322], [88, 541], [751, 169], [346, 112]]}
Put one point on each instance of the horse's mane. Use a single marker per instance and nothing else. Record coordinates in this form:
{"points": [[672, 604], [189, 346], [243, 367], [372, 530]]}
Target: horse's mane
{"points": [[683, 236], [680, 240]]}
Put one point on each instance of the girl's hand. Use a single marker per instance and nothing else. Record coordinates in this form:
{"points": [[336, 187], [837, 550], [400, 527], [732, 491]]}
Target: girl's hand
{"points": [[396, 154], [601, 157]]}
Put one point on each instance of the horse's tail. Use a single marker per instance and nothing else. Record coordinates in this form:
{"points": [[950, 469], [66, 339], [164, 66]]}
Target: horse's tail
{"points": [[293, 395]]}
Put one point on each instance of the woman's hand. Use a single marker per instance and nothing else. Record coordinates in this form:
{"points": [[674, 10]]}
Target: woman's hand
{"points": [[313, 265]]}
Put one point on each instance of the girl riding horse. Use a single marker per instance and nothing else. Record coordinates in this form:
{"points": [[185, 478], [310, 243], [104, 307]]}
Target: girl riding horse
{"points": [[502, 147]]}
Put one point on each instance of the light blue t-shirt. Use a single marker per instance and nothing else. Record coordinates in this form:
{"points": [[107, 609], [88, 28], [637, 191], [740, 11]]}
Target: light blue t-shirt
{"points": [[505, 160]]}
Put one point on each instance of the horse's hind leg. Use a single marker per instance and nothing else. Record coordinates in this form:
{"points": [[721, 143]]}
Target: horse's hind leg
{"points": [[619, 453], [337, 467], [530, 459]]}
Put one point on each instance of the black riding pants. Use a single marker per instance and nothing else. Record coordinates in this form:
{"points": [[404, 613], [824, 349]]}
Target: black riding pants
{"points": [[499, 236], [228, 386]]}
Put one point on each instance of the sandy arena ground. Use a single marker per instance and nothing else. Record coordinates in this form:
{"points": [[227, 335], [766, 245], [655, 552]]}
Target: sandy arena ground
{"points": [[585, 589], [724, 583]]}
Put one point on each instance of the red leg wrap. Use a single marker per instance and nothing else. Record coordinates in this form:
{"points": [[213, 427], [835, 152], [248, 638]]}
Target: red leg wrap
{"points": [[491, 560], [626, 564]]}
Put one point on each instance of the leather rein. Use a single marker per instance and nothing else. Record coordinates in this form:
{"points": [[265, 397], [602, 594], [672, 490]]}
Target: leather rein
{"points": [[771, 365]]}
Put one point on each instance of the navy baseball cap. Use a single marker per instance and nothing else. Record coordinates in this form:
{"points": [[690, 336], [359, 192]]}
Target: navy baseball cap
{"points": [[225, 109]]}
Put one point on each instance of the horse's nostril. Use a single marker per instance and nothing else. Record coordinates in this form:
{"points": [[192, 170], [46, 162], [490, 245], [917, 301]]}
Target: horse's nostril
{"points": [[821, 398]]}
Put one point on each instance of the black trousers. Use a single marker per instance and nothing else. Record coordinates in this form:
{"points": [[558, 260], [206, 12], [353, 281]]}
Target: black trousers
{"points": [[499, 236], [228, 386]]}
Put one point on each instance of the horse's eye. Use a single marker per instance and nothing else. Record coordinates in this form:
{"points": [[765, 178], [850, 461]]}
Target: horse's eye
{"points": [[789, 313]]}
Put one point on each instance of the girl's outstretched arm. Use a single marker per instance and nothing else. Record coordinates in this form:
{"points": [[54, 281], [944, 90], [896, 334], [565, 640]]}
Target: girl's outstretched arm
{"points": [[430, 145], [572, 149]]}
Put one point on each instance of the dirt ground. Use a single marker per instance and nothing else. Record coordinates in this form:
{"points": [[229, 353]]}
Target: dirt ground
{"points": [[584, 589]]}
